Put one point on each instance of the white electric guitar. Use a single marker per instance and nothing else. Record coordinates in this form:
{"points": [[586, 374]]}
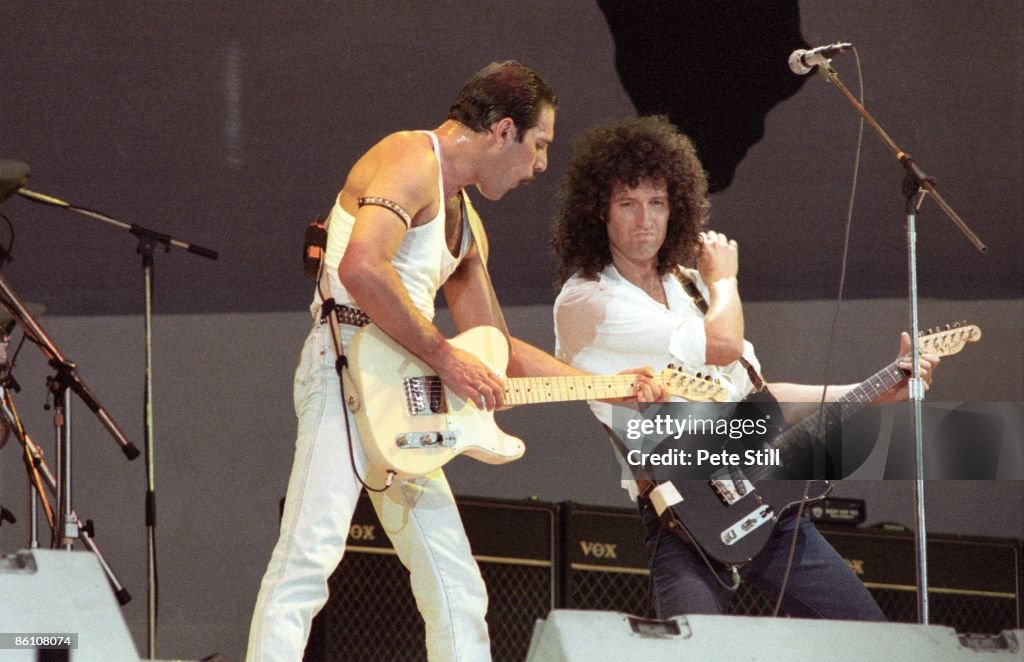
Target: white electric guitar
{"points": [[411, 424]]}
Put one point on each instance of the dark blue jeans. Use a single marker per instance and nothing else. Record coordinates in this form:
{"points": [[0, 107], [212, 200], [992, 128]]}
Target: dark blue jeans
{"points": [[821, 584]]}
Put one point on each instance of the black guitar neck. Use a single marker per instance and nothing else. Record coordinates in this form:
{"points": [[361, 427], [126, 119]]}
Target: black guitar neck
{"points": [[797, 438]]}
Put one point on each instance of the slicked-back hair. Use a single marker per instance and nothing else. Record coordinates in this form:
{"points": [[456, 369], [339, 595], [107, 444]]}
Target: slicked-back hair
{"points": [[500, 90], [627, 152]]}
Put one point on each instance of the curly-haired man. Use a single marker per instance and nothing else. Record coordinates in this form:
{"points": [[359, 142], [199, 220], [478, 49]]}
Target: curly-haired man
{"points": [[632, 209]]}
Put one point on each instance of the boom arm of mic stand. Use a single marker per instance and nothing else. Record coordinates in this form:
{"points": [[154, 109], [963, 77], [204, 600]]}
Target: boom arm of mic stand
{"points": [[925, 182], [134, 229], [66, 372]]}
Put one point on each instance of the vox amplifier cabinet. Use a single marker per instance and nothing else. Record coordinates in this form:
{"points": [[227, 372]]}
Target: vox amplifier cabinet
{"points": [[605, 566], [604, 563], [371, 614], [974, 583]]}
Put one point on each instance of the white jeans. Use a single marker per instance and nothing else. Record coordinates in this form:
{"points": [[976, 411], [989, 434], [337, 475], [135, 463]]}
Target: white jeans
{"points": [[419, 516]]}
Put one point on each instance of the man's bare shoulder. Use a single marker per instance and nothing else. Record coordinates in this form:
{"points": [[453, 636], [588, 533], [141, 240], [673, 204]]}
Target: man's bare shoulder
{"points": [[404, 161], [402, 149]]}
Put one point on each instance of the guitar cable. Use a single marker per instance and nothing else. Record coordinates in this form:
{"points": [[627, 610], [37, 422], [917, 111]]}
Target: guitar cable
{"points": [[832, 333], [327, 313]]}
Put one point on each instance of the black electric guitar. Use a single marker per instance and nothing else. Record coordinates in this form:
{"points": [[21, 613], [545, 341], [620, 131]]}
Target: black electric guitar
{"points": [[732, 515]]}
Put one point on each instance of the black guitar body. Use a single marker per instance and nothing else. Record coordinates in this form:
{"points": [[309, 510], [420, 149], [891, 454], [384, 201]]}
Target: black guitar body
{"points": [[732, 528], [731, 515]]}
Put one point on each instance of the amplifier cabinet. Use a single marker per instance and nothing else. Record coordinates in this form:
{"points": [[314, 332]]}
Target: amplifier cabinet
{"points": [[511, 541], [603, 560], [535, 557], [974, 584], [605, 566]]}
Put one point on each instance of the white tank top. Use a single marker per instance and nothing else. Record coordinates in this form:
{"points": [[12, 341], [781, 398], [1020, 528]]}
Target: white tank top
{"points": [[423, 261]]}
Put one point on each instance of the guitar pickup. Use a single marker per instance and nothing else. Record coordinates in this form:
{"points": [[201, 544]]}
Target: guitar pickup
{"points": [[727, 490], [424, 396], [747, 525], [443, 439]]}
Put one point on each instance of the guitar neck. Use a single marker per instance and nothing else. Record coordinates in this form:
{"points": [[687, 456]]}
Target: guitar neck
{"points": [[537, 390], [832, 414]]}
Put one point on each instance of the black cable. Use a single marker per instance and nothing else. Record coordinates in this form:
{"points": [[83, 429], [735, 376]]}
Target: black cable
{"points": [[341, 364]]}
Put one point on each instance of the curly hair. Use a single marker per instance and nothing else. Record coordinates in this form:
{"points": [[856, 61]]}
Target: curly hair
{"points": [[499, 90], [626, 152]]}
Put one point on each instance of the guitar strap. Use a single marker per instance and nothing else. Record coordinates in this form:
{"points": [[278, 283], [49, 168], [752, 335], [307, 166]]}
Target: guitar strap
{"points": [[645, 485], [698, 299], [349, 392], [476, 229], [644, 482]]}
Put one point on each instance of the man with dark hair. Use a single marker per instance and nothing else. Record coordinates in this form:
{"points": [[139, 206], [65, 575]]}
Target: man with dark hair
{"points": [[631, 210], [400, 228], [502, 89]]}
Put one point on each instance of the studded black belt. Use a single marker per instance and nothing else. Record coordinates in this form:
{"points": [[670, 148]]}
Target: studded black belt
{"points": [[345, 314]]}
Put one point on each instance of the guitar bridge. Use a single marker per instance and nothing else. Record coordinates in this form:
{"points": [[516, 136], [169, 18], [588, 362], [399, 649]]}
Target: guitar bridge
{"points": [[424, 396], [441, 439], [726, 488]]}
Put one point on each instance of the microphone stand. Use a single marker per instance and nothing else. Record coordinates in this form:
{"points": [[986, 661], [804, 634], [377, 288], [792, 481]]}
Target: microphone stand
{"points": [[915, 183], [148, 241]]}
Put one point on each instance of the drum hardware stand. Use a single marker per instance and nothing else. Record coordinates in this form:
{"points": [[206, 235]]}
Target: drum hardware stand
{"points": [[38, 472], [915, 183], [148, 240], [65, 381]]}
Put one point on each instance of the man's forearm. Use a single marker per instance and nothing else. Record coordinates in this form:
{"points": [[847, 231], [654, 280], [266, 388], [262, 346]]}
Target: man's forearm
{"points": [[380, 294]]}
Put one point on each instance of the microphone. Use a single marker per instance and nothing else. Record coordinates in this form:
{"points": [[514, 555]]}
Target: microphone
{"points": [[12, 175], [803, 62]]}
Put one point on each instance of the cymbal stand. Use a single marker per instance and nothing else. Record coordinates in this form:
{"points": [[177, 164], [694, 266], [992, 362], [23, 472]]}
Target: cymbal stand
{"points": [[38, 472]]}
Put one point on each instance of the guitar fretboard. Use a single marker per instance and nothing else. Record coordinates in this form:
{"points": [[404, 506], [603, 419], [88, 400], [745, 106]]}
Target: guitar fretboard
{"points": [[536, 390], [832, 414]]}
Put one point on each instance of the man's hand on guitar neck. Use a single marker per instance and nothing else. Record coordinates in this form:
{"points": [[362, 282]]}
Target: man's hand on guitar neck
{"points": [[646, 388], [928, 363]]}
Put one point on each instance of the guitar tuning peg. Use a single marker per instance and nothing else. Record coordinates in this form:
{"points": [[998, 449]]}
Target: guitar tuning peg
{"points": [[948, 327]]}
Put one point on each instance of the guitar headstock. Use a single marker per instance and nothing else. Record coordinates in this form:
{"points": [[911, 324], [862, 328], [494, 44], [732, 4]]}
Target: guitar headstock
{"points": [[948, 340], [691, 387]]}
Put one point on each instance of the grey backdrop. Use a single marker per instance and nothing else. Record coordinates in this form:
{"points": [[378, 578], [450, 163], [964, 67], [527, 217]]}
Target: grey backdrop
{"points": [[231, 125]]}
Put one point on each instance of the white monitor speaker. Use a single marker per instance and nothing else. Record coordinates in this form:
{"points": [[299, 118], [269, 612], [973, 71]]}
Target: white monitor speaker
{"points": [[52, 592], [589, 636]]}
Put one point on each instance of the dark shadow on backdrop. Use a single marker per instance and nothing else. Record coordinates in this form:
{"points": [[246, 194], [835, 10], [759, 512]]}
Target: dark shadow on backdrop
{"points": [[715, 68]]}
